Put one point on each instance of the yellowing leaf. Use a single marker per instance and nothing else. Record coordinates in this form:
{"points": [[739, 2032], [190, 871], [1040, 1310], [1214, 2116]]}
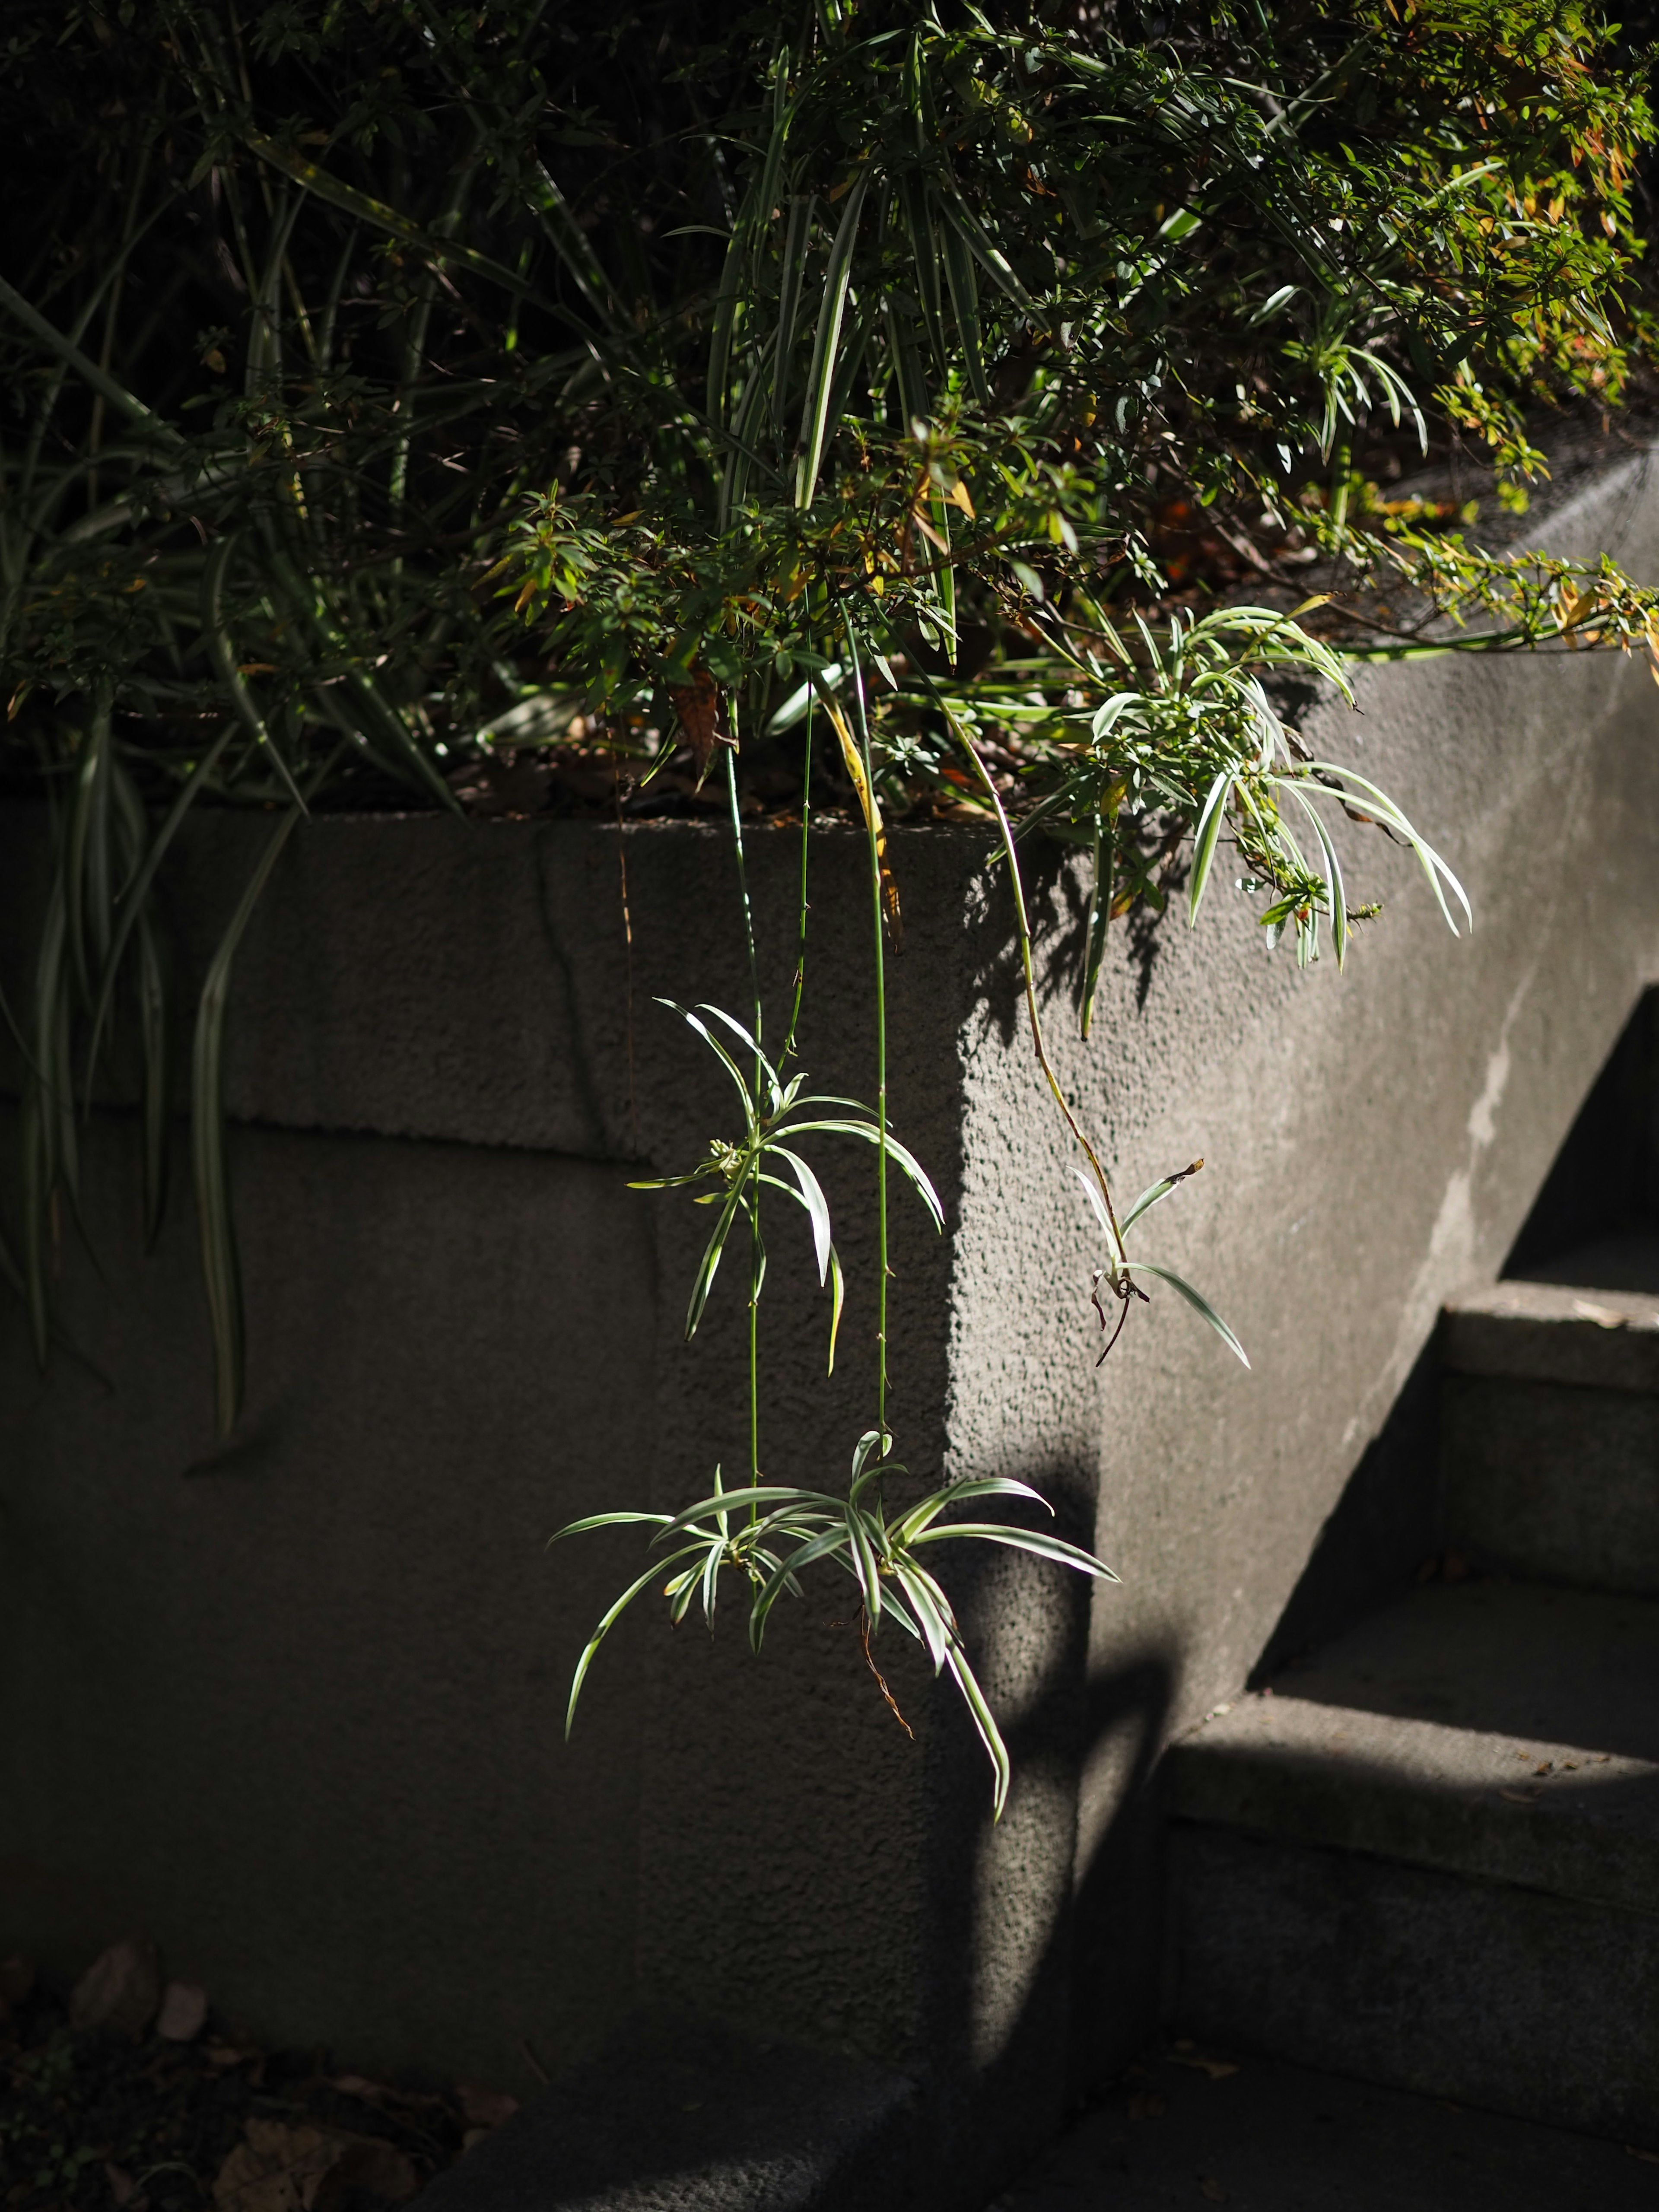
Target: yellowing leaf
{"points": [[872, 806]]}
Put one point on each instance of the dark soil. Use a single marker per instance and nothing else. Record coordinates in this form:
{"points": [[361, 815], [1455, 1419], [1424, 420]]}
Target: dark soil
{"points": [[102, 2122]]}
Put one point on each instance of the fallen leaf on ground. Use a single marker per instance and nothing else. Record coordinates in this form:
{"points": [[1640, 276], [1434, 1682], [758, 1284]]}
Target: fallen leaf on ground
{"points": [[120, 1989], [359, 2085], [1217, 2069], [227, 2054], [382, 2093], [366, 2163], [275, 2168], [281, 2167], [184, 2012], [482, 2107], [1603, 1316]]}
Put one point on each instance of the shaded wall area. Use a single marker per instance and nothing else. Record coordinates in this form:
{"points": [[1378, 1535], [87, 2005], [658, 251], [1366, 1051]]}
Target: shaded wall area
{"points": [[293, 1703]]}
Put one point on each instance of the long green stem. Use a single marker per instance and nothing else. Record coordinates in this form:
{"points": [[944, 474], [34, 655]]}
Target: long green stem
{"points": [[1024, 927], [805, 843], [881, 1031], [756, 1254], [742, 894]]}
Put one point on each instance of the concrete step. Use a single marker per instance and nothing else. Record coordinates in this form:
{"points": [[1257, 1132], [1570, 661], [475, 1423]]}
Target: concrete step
{"points": [[1550, 1433], [1430, 1857], [1190, 2126]]}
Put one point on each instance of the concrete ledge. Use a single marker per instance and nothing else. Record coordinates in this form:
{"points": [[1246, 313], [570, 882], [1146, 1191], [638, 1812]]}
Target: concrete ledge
{"points": [[685, 2116], [1539, 1765], [1553, 1480], [1549, 1332], [1535, 2005]]}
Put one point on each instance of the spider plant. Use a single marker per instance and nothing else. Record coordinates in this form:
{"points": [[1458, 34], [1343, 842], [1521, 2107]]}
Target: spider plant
{"points": [[880, 1549], [773, 1111]]}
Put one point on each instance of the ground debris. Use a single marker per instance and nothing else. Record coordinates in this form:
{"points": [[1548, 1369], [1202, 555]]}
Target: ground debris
{"points": [[183, 2112], [121, 1989]]}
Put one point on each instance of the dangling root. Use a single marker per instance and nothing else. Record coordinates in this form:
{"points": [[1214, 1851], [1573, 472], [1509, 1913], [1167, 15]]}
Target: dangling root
{"points": [[881, 1680]]}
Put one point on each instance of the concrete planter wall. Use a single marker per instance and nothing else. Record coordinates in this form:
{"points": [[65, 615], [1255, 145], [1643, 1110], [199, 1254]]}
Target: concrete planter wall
{"points": [[294, 1704]]}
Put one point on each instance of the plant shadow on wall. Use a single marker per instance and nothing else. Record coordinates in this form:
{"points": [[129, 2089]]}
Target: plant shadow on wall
{"points": [[875, 412]]}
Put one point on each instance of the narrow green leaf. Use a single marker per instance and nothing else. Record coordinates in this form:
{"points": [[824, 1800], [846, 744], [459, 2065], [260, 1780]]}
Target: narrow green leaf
{"points": [[1155, 1193], [765, 1493], [927, 1511], [136, 892], [989, 1735], [222, 654], [607, 1521], [1378, 803], [1020, 1539], [1339, 910], [611, 1615], [1203, 843], [207, 1128], [934, 1624], [915, 1174], [381, 217], [1194, 1298], [965, 302], [815, 415], [837, 1299], [813, 1198], [792, 271], [114, 395]]}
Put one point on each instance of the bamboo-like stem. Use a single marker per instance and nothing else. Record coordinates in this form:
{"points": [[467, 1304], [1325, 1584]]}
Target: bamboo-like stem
{"points": [[874, 839], [805, 839], [756, 1256], [743, 892]]}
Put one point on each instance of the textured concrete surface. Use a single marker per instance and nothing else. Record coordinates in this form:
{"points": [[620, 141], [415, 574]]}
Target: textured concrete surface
{"points": [[1502, 1732], [1430, 1856], [680, 2115], [294, 1705], [1550, 1427], [1601, 1339], [1503, 1996], [1554, 1478], [466, 997], [1196, 2126]]}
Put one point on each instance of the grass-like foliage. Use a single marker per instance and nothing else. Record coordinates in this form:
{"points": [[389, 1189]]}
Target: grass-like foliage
{"points": [[926, 407]]}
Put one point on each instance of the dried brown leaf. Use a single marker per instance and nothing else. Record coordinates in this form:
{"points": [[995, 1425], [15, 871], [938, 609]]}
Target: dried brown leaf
{"points": [[698, 705], [275, 2168]]}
